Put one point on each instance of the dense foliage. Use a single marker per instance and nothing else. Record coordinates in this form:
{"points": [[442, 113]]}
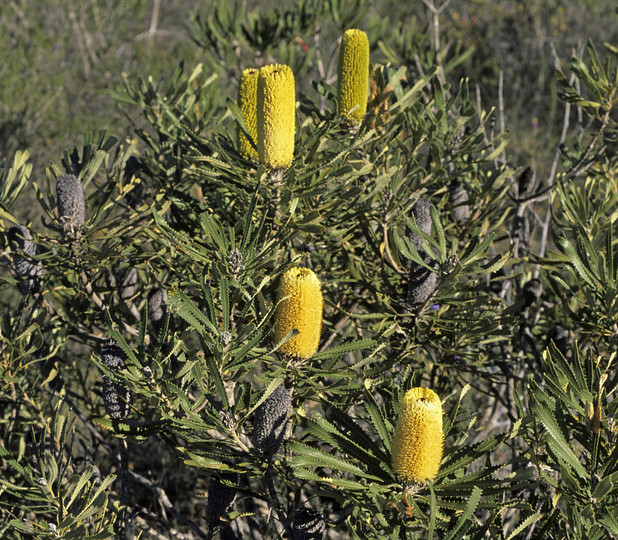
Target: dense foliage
{"points": [[142, 390]]}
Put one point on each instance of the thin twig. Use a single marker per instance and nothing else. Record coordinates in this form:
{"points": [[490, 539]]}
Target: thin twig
{"points": [[274, 499]]}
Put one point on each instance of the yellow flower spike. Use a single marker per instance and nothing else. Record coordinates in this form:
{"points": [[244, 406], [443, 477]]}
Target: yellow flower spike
{"points": [[247, 103], [276, 107], [353, 74], [300, 303], [418, 442]]}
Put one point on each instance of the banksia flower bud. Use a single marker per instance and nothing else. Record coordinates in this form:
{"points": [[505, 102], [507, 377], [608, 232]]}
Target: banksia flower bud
{"points": [[353, 74], [276, 107], [307, 524], [116, 398], [247, 103], [220, 499], [299, 307], [20, 239], [270, 421], [70, 202], [418, 441], [458, 198]]}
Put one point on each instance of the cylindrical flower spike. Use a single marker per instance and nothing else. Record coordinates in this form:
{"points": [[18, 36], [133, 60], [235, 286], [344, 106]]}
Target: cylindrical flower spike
{"points": [[220, 499], [353, 74], [19, 238], [300, 304], [71, 205], [270, 420], [116, 397], [276, 107], [418, 441], [247, 103]]}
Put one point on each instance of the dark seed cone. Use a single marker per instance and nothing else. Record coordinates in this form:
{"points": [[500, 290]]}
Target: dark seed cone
{"points": [[496, 283], [126, 281], [525, 181], [71, 205], [307, 524], [531, 292], [270, 422], [560, 337], [20, 239], [116, 397], [220, 499], [458, 198], [157, 307], [422, 216]]}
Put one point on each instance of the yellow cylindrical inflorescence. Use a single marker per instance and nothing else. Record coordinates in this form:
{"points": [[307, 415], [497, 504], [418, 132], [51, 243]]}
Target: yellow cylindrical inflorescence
{"points": [[353, 74], [418, 442], [247, 103], [276, 107], [299, 307]]}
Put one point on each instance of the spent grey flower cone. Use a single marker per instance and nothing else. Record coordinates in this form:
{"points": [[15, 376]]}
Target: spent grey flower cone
{"points": [[458, 197], [307, 524], [157, 307], [270, 421], [126, 282], [71, 205], [422, 216], [421, 281], [220, 499], [20, 239], [116, 397], [421, 284]]}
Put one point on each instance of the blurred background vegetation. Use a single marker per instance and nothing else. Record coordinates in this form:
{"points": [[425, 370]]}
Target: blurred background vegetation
{"points": [[62, 57]]}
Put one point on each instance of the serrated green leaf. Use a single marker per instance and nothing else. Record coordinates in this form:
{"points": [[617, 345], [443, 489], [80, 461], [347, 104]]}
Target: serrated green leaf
{"points": [[546, 417]]}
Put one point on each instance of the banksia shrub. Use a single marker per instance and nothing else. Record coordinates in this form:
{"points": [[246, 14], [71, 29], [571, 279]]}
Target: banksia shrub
{"points": [[220, 499], [70, 202], [307, 524], [418, 441], [300, 303], [116, 397], [353, 74], [270, 422], [276, 107], [20, 239], [247, 103]]}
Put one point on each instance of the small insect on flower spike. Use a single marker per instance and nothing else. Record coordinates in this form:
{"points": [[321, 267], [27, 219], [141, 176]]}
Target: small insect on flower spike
{"points": [[353, 75], [276, 108], [418, 442], [299, 308], [247, 103]]}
